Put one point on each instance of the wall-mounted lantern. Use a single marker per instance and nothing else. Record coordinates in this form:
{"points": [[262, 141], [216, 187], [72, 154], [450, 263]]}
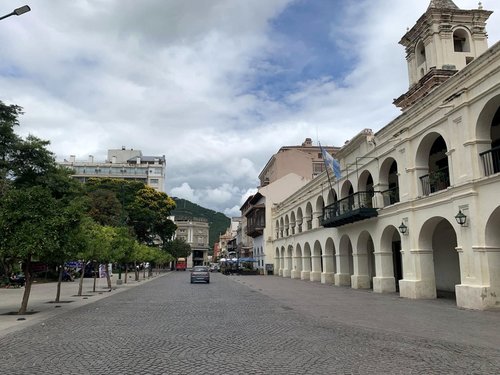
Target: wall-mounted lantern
{"points": [[461, 218]]}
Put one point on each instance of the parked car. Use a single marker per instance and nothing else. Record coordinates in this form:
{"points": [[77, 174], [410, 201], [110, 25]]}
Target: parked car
{"points": [[214, 267], [200, 273]]}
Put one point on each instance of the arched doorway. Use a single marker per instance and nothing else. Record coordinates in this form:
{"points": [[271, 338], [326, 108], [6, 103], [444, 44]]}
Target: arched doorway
{"points": [[345, 268], [388, 260], [316, 262], [439, 236], [329, 263], [297, 263], [364, 262], [306, 263], [288, 261]]}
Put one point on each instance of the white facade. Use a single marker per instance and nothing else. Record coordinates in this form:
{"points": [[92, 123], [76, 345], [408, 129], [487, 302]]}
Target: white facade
{"points": [[121, 164], [439, 158]]}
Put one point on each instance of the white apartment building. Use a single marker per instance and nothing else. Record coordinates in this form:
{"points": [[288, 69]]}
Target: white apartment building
{"points": [[122, 164], [417, 208]]}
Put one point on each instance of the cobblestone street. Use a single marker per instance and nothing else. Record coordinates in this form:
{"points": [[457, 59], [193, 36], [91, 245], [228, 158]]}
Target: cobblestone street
{"points": [[235, 325]]}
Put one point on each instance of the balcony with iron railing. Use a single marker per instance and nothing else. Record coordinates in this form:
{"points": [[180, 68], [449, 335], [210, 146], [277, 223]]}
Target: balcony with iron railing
{"points": [[355, 207], [390, 196], [435, 181], [491, 161]]}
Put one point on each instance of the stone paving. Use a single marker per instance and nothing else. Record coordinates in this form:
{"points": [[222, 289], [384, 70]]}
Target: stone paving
{"points": [[247, 325]]}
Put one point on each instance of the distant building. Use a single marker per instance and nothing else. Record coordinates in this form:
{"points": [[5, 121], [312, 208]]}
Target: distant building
{"points": [[258, 210], [121, 164], [195, 232], [305, 160]]}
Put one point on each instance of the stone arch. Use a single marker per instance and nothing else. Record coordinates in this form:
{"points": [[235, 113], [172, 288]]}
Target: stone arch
{"points": [[309, 216], [389, 181], [345, 268], [297, 263], [329, 262], [346, 189], [319, 210], [288, 261], [432, 164], [277, 260], [316, 262], [461, 40], [287, 225], [306, 262], [439, 237], [364, 262], [346, 203], [292, 222], [492, 242], [282, 260], [366, 189], [421, 58], [488, 136], [331, 197], [389, 263], [300, 219]]}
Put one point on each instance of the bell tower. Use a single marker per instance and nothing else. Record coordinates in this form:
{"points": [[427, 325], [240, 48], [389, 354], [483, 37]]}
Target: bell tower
{"points": [[443, 41]]}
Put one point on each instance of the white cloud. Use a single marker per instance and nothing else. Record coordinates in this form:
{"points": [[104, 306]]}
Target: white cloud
{"points": [[177, 78]]}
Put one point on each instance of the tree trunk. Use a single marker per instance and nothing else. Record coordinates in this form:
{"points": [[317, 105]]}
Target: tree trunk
{"points": [[58, 292], [126, 273], [80, 284], [108, 276], [136, 271], [96, 271], [27, 287]]}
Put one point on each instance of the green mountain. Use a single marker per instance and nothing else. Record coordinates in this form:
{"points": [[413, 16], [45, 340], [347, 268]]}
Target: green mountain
{"points": [[218, 222]]}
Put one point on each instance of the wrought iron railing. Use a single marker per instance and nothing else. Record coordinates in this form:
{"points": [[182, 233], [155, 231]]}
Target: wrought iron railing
{"points": [[491, 161], [361, 199], [390, 196], [435, 181]]}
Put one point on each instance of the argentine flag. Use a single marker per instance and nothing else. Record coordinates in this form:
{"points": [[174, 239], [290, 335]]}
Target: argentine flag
{"points": [[331, 162]]}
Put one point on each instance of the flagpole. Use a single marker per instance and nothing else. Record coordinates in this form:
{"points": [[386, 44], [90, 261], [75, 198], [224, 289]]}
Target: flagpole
{"points": [[326, 167]]}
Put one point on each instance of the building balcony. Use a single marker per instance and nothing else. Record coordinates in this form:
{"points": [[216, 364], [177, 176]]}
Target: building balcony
{"points": [[435, 181], [353, 208], [256, 221], [390, 196], [491, 161], [255, 230]]}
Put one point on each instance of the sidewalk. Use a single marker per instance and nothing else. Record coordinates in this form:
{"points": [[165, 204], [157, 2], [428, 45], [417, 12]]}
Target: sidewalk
{"points": [[43, 294], [430, 318]]}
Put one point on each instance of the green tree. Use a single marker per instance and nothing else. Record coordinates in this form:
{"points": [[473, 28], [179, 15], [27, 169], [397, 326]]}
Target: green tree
{"points": [[178, 248], [105, 208], [9, 115], [149, 216], [30, 222]]}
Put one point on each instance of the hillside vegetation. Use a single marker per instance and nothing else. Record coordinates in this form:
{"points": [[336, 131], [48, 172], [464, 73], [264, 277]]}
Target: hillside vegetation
{"points": [[218, 222]]}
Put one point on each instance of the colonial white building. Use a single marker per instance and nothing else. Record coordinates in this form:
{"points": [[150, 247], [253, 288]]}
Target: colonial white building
{"points": [[417, 209], [127, 164]]}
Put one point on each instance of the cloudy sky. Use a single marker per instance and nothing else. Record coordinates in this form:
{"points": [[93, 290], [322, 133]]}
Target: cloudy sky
{"points": [[217, 86]]}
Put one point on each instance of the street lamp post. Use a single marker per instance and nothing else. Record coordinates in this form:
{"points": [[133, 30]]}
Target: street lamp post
{"points": [[17, 12]]}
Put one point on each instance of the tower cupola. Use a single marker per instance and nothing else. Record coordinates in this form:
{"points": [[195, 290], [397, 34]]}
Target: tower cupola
{"points": [[443, 41]]}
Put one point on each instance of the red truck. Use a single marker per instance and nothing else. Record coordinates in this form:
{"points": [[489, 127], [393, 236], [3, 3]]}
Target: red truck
{"points": [[181, 264]]}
